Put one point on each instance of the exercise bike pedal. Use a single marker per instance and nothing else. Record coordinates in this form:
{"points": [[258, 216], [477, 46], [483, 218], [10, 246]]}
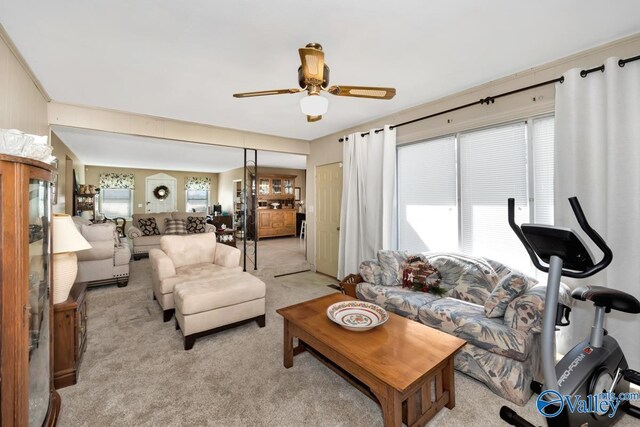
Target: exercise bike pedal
{"points": [[536, 387], [631, 376]]}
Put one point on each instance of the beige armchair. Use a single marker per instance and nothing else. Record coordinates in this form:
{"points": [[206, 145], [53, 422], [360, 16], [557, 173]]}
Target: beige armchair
{"points": [[189, 258], [107, 262]]}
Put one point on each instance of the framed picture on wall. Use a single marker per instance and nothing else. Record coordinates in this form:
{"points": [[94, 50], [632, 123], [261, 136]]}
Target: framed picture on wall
{"points": [[296, 193]]}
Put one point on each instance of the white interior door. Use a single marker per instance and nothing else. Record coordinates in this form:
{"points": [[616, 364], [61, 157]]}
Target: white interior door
{"points": [[154, 204], [328, 201]]}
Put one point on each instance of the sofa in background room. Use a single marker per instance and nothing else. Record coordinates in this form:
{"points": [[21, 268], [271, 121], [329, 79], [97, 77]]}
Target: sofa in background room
{"points": [[142, 243]]}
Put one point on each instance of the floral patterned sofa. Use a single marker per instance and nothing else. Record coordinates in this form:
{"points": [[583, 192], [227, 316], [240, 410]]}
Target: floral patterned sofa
{"points": [[497, 310]]}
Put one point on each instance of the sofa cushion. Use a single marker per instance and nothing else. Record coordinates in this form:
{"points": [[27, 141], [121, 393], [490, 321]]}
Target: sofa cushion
{"points": [[100, 249], [79, 222], [159, 217], [371, 272], [148, 241], [174, 226], [467, 321], [149, 226], [184, 215], [196, 225], [94, 232], [466, 277], [524, 312], [511, 286], [196, 297], [397, 299], [190, 249], [195, 272], [392, 264]]}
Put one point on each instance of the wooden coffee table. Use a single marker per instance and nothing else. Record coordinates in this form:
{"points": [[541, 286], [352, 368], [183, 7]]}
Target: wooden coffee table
{"points": [[404, 365]]}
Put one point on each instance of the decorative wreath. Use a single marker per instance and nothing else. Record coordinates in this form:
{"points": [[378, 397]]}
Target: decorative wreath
{"points": [[161, 192]]}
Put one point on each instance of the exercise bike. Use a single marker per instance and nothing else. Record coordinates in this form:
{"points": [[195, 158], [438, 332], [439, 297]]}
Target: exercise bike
{"points": [[594, 366]]}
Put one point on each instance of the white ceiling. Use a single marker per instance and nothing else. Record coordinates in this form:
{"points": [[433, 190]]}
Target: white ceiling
{"points": [[183, 60], [124, 151]]}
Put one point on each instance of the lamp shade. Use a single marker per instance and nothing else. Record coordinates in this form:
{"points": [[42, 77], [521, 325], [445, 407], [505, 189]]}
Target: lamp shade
{"points": [[314, 105], [66, 237]]}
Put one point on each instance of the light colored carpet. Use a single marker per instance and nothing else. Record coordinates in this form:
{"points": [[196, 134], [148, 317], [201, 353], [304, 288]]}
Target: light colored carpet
{"points": [[136, 373]]}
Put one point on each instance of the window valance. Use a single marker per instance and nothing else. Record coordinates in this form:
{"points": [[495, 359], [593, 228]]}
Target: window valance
{"points": [[123, 181], [197, 183]]}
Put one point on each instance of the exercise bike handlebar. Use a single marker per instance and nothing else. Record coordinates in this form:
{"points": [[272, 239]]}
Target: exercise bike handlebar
{"points": [[516, 229], [584, 224]]}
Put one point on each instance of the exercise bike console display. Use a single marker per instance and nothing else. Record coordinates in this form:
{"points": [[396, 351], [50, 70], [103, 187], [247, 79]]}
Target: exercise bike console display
{"points": [[547, 241]]}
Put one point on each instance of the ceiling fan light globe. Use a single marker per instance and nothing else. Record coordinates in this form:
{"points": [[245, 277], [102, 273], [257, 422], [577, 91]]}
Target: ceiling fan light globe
{"points": [[314, 105]]}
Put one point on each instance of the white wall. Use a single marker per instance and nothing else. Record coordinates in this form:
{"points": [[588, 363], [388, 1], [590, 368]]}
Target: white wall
{"points": [[22, 105], [328, 150], [138, 124]]}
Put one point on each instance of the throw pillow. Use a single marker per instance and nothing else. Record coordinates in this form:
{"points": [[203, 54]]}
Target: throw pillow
{"points": [[174, 226], [392, 264], [510, 287], [148, 226], [195, 224], [421, 276]]}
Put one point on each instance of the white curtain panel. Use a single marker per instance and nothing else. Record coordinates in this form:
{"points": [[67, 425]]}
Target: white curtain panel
{"points": [[367, 217], [598, 159]]}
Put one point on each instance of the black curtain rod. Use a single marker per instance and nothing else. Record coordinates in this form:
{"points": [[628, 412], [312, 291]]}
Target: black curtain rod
{"points": [[491, 99]]}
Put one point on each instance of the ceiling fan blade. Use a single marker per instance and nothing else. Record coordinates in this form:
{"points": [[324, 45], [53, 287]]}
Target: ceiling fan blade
{"points": [[312, 64], [266, 92], [312, 119], [363, 91]]}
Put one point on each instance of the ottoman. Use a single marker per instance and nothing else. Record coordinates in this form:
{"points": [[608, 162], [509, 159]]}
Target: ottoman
{"points": [[211, 305]]}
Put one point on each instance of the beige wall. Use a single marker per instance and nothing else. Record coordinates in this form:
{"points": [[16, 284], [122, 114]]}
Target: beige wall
{"points": [[92, 177], [22, 105], [226, 185], [138, 124], [328, 150], [65, 177]]}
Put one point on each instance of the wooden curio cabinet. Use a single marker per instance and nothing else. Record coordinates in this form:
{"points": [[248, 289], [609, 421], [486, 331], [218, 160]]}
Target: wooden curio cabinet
{"points": [[26, 383], [276, 206]]}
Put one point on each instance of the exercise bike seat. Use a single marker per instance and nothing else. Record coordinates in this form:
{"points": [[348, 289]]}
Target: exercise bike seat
{"points": [[611, 299]]}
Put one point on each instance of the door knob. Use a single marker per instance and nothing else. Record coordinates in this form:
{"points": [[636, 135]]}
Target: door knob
{"points": [[338, 228]]}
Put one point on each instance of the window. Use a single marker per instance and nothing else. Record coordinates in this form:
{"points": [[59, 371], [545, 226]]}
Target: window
{"points": [[453, 191], [427, 189], [116, 202], [197, 200]]}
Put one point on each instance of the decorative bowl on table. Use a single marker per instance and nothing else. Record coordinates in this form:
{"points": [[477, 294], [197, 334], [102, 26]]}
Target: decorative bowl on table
{"points": [[357, 315]]}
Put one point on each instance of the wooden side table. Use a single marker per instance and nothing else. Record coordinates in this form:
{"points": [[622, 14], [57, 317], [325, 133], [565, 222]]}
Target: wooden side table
{"points": [[226, 237], [69, 336]]}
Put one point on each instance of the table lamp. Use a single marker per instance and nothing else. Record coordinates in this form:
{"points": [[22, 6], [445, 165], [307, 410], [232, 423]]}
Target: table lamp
{"points": [[67, 240]]}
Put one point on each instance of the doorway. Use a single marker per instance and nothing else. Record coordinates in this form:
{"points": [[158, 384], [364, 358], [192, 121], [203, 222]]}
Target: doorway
{"points": [[328, 201], [161, 193]]}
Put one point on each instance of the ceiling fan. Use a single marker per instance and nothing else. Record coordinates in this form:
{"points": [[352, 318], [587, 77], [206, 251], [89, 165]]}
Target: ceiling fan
{"points": [[313, 76]]}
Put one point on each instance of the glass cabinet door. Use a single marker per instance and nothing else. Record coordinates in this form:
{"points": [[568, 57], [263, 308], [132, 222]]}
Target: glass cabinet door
{"points": [[39, 336], [288, 186], [263, 188], [276, 186]]}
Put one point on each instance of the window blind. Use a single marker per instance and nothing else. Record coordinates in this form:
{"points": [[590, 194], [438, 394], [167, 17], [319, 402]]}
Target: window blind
{"points": [[198, 200], [427, 200], [542, 140], [493, 168], [116, 202]]}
